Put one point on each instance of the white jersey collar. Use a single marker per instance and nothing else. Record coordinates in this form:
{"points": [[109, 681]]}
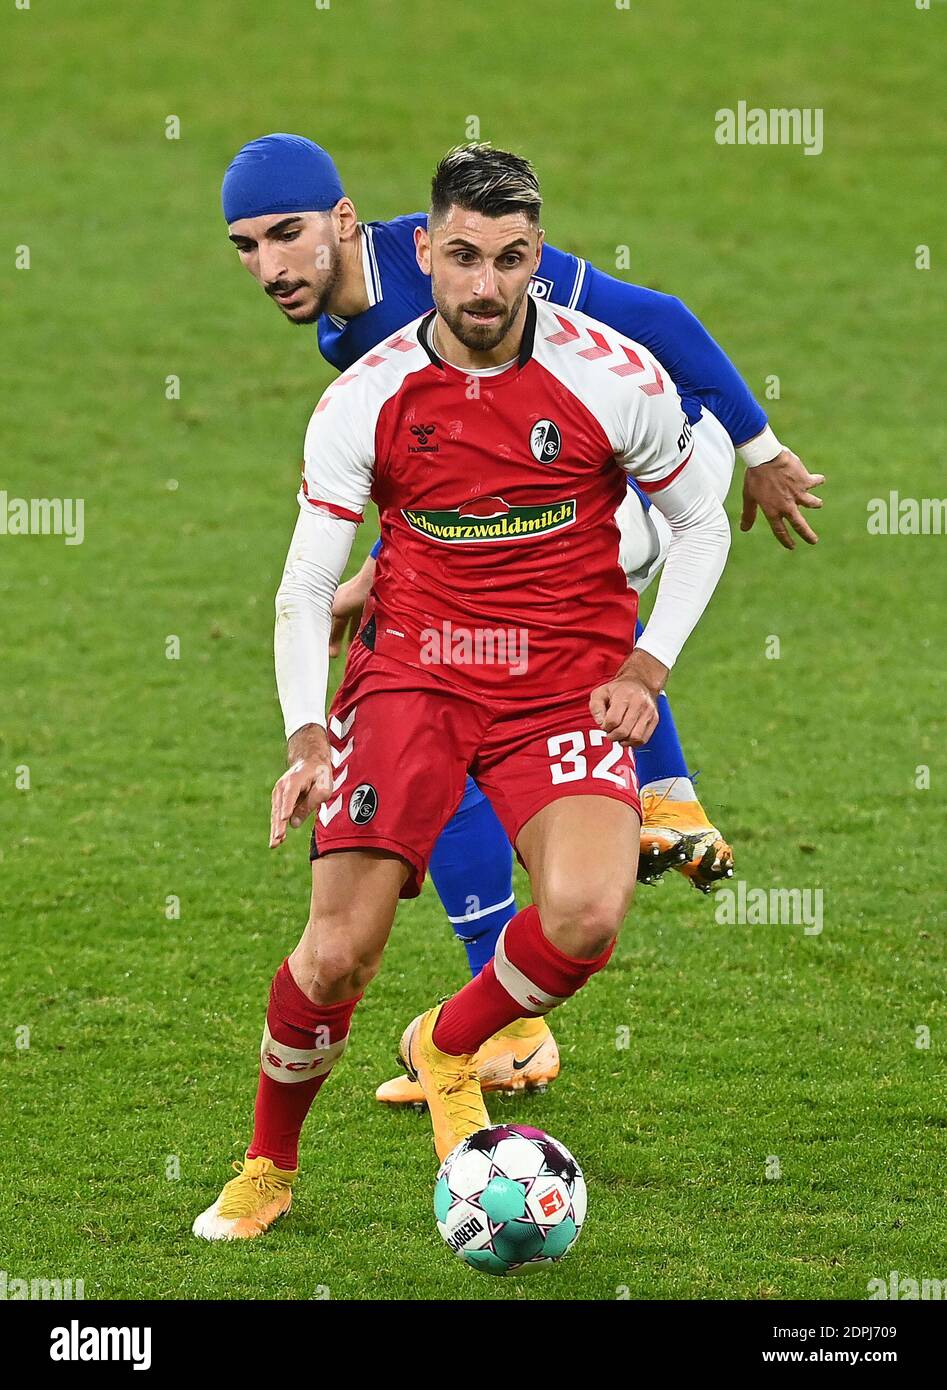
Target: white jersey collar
{"points": [[370, 265], [370, 271]]}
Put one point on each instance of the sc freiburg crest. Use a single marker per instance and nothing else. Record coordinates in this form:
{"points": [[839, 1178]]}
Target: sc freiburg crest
{"points": [[363, 803], [545, 441]]}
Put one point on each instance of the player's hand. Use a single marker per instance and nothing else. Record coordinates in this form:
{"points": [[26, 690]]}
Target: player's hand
{"points": [[781, 487], [304, 786], [347, 606], [626, 708]]}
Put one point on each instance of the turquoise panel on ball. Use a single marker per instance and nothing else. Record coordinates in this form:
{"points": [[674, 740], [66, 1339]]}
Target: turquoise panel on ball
{"points": [[442, 1199], [518, 1241], [486, 1261], [559, 1238], [503, 1199]]}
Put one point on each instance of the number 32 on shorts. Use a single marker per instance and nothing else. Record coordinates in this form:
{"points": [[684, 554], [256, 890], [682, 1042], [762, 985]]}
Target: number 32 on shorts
{"points": [[572, 765]]}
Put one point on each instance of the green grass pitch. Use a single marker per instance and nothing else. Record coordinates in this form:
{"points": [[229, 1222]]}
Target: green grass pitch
{"points": [[149, 778]]}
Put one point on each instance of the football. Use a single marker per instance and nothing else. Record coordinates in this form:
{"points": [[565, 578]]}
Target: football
{"points": [[510, 1198]]}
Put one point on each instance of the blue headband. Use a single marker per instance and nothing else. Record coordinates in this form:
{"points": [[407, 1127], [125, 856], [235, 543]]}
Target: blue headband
{"points": [[280, 173]]}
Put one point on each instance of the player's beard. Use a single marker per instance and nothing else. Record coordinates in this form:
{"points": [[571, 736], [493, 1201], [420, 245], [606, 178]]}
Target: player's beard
{"points": [[324, 288], [473, 337]]}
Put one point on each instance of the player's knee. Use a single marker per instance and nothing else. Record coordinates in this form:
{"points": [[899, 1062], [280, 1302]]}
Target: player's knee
{"points": [[593, 931], [343, 971], [583, 923], [331, 966]]}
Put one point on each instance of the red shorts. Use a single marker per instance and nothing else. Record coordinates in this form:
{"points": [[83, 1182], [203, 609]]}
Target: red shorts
{"points": [[403, 742]]}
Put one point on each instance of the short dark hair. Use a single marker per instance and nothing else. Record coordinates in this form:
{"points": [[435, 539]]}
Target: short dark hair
{"points": [[479, 178]]}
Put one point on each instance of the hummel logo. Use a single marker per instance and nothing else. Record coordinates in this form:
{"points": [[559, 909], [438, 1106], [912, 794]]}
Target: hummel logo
{"points": [[422, 434]]}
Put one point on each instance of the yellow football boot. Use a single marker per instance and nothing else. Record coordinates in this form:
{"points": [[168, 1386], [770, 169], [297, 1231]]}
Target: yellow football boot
{"points": [[678, 835], [450, 1084], [248, 1204], [521, 1057]]}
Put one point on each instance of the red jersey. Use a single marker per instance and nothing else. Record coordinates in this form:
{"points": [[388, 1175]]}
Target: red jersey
{"points": [[496, 495]]}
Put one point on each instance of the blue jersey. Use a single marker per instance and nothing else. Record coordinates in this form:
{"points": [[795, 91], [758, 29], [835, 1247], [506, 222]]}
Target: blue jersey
{"points": [[399, 292]]}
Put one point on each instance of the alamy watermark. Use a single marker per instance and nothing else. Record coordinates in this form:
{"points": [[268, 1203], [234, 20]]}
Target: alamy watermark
{"points": [[894, 1285], [737, 903], [895, 515], [43, 516], [450, 645], [79, 1343], [14, 1289], [779, 125]]}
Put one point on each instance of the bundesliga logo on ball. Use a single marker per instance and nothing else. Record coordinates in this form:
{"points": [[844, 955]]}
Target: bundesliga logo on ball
{"points": [[510, 1198]]}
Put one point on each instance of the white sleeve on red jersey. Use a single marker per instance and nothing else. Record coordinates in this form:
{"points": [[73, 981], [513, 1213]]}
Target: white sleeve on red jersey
{"points": [[700, 541], [339, 452], [317, 556], [657, 449], [622, 385], [654, 440], [636, 403], [338, 459], [338, 468]]}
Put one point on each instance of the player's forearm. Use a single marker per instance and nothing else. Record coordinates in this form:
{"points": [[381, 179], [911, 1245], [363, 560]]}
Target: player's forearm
{"points": [[704, 370], [314, 565], [307, 742], [301, 650], [647, 669], [700, 541]]}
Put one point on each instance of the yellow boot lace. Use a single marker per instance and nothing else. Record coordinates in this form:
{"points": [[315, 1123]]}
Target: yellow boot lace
{"points": [[463, 1100], [255, 1188]]}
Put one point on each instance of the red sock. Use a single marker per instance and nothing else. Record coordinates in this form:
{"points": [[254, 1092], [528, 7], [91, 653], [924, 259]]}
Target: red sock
{"points": [[528, 975], [302, 1041]]}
